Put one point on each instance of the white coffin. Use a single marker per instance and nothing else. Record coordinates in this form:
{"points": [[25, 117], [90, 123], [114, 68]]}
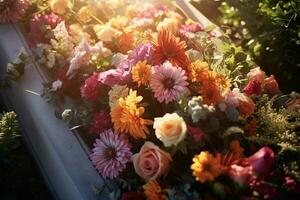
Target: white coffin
{"points": [[60, 153]]}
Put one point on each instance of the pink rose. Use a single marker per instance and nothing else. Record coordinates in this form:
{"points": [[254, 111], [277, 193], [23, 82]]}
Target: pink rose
{"points": [[293, 103], [151, 162], [262, 160], [256, 82], [257, 74], [254, 87], [91, 88], [240, 174], [271, 85], [246, 106]]}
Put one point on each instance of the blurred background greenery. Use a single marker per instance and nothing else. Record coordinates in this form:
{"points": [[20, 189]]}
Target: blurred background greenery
{"points": [[269, 30]]}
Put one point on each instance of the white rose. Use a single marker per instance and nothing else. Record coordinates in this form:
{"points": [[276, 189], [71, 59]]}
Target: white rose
{"points": [[56, 85], [170, 129], [60, 6]]}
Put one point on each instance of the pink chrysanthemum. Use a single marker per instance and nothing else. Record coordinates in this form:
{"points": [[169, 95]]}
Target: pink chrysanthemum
{"points": [[168, 82], [187, 30], [111, 153], [91, 88], [100, 122], [12, 10], [40, 25], [152, 12]]}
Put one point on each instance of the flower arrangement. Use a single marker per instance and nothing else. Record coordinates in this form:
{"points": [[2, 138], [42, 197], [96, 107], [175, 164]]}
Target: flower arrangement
{"points": [[172, 110]]}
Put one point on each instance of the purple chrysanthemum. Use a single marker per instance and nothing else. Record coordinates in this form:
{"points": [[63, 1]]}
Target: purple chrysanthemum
{"points": [[122, 74], [12, 10], [168, 82], [142, 52], [111, 153]]}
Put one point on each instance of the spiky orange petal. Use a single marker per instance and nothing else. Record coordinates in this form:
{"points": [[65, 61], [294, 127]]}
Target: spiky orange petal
{"points": [[170, 48]]}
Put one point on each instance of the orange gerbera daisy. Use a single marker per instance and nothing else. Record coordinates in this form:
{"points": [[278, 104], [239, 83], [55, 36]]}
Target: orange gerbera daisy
{"points": [[223, 81], [126, 116], [170, 48], [206, 167], [141, 73], [210, 93], [198, 71], [153, 191], [126, 41]]}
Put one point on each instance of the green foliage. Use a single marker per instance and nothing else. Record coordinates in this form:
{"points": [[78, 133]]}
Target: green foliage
{"points": [[278, 125], [224, 57], [18, 178], [9, 125], [267, 29], [279, 128]]}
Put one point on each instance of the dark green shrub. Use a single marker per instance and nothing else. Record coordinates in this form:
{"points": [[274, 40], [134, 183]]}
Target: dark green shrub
{"points": [[268, 29]]}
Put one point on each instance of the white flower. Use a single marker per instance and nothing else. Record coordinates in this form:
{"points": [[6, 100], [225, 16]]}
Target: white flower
{"points": [[56, 85], [62, 41], [106, 33], [60, 6], [83, 52], [51, 60], [170, 129], [142, 22]]}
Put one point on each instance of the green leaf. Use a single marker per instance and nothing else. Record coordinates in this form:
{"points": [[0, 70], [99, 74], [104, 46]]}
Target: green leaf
{"points": [[210, 28], [182, 146]]}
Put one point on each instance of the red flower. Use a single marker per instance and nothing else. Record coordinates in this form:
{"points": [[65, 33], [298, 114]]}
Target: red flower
{"points": [[100, 122], [91, 88], [186, 30], [196, 133], [133, 195], [68, 87], [271, 85], [265, 189], [254, 87], [38, 28]]}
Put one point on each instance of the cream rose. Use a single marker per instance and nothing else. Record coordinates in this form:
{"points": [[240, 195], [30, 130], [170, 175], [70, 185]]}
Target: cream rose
{"points": [[60, 6], [106, 33], [170, 129], [151, 162]]}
